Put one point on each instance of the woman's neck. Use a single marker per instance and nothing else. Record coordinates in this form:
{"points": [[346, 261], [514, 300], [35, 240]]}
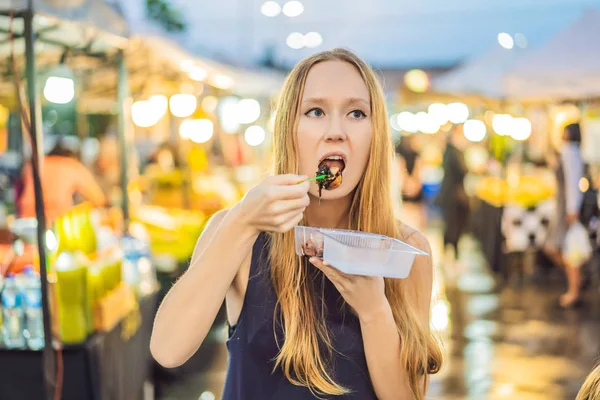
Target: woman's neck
{"points": [[331, 214]]}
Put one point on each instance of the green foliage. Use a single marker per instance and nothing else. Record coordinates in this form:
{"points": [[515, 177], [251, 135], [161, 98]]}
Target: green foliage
{"points": [[163, 12]]}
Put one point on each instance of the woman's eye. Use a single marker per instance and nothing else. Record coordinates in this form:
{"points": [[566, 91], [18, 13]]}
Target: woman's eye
{"points": [[357, 114], [315, 112]]}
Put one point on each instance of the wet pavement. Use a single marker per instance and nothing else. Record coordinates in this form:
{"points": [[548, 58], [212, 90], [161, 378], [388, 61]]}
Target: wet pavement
{"points": [[508, 341]]}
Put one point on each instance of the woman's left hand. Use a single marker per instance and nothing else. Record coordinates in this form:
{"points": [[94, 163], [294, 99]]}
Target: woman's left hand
{"points": [[365, 294]]}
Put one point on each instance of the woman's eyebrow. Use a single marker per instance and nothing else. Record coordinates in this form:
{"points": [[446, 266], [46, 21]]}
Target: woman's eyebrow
{"points": [[351, 100], [317, 100], [354, 100]]}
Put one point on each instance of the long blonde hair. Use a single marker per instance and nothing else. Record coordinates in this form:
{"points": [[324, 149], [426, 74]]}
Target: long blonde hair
{"points": [[591, 387], [372, 210]]}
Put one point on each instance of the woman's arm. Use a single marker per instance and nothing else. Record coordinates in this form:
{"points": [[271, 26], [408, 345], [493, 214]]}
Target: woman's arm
{"points": [[191, 306], [380, 335], [189, 309]]}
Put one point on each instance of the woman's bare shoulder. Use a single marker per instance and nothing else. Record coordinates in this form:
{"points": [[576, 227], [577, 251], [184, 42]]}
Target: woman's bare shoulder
{"points": [[413, 237]]}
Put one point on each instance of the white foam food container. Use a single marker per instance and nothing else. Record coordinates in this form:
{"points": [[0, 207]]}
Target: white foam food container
{"points": [[357, 253]]}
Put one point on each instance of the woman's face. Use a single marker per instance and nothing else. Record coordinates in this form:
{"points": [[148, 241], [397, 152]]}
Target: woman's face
{"points": [[335, 123]]}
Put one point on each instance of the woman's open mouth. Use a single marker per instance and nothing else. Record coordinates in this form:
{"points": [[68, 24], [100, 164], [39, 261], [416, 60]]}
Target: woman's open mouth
{"points": [[330, 173]]}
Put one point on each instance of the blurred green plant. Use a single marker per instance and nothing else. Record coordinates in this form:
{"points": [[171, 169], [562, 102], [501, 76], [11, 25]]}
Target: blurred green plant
{"points": [[163, 12]]}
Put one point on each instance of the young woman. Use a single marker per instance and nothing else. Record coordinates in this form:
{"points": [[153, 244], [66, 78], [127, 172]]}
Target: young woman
{"points": [[568, 173], [300, 328]]}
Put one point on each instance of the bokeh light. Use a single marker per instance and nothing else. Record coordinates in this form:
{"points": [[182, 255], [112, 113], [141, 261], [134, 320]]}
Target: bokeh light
{"points": [[417, 80], [458, 113], [474, 130], [506, 40], [254, 135]]}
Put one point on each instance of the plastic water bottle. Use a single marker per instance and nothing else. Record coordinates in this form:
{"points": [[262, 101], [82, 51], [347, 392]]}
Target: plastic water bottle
{"points": [[131, 258], [147, 272], [34, 325], [13, 318]]}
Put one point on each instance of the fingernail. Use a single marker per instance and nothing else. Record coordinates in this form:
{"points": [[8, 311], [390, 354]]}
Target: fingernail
{"points": [[312, 260]]}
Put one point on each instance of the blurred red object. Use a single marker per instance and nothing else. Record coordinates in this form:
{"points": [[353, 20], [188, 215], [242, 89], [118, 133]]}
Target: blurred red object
{"points": [[6, 236], [13, 263]]}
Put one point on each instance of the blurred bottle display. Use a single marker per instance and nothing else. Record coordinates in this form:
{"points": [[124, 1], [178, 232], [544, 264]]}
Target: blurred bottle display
{"points": [[32, 294], [13, 320], [75, 231], [71, 287], [87, 261]]}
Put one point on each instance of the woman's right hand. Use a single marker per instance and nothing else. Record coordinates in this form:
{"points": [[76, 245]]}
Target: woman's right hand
{"points": [[276, 204]]}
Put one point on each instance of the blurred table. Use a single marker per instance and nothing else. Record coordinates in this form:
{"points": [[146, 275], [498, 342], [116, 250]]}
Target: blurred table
{"points": [[109, 366]]}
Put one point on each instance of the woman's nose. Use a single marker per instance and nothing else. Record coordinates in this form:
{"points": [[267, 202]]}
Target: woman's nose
{"points": [[335, 131]]}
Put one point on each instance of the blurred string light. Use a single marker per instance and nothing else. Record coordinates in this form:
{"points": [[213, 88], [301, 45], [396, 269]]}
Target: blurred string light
{"points": [[196, 130], [270, 9], [59, 90], [187, 65], [506, 40], [394, 123], [198, 74], [440, 316], [147, 113], [458, 113], [293, 9], [228, 115], [313, 39], [502, 124], [141, 115], [254, 135], [234, 112], [474, 130], [207, 396], [521, 129], [183, 105], [60, 86], [439, 112], [159, 105], [222, 82], [417, 80], [51, 240], [521, 40], [426, 123], [195, 73], [248, 111], [407, 121], [295, 40]]}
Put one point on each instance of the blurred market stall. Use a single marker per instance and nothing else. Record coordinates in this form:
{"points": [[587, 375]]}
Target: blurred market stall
{"points": [[172, 139], [512, 103], [77, 290]]}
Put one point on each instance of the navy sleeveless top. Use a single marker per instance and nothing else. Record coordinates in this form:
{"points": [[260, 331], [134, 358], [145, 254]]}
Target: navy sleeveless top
{"points": [[252, 345]]}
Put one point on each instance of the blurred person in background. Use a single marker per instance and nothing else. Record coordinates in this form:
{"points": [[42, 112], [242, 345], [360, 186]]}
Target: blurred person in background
{"points": [[453, 199], [301, 328], [63, 177], [569, 170], [410, 166]]}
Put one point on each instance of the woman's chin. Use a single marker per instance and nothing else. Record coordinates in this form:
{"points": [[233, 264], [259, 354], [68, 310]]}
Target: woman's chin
{"points": [[328, 195]]}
